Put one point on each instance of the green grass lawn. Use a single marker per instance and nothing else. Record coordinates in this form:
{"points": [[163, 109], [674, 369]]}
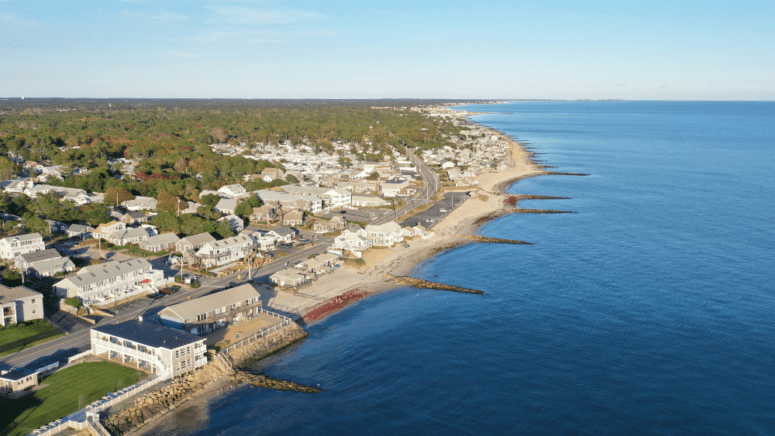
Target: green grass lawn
{"points": [[68, 390], [29, 335]]}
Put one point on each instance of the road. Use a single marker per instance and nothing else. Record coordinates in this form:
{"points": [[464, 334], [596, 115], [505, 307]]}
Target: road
{"points": [[430, 217], [430, 188], [61, 348]]}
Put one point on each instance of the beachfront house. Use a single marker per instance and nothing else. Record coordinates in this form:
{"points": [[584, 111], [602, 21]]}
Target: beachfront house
{"points": [[112, 281], [149, 347], [205, 314], [193, 242], [288, 277], [384, 235], [225, 251]]}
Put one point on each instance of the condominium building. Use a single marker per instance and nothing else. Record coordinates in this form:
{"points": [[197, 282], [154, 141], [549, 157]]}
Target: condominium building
{"points": [[225, 251], [19, 304], [149, 347], [208, 313], [111, 281]]}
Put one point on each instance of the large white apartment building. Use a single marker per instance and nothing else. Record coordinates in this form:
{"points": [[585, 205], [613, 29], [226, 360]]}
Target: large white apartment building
{"points": [[149, 347], [19, 304], [385, 235], [14, 246], [111, 281]]}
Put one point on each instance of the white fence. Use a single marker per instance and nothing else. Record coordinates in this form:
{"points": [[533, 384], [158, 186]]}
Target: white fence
{"points": [[47, 368], [59, 426], [117, 397], [79, 356], [262, 333]]}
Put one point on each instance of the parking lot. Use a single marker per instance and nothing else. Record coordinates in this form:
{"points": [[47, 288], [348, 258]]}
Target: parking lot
{"points": [[361, 215], [430, 217]]}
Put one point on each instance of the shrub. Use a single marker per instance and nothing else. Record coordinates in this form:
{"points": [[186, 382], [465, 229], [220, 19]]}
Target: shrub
{"points": [[178, 279], [195, 285], [72, 301]]}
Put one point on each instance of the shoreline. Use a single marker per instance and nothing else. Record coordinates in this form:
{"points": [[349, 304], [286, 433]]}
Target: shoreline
{"points": [[383, 264]]}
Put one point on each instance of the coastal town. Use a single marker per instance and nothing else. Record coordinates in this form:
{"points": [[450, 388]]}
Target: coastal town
{"points": [[174, 290]]}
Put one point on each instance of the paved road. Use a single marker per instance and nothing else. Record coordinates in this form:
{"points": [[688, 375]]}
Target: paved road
{"points": [[430, 188], [60, 349], [430, 217]]}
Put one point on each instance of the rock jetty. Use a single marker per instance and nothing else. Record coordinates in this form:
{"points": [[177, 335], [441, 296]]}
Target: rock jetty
{"points": [[426, 284]]}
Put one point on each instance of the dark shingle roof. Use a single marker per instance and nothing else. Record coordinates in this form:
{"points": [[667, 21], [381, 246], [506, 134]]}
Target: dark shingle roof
{"points": [[150, 334]]}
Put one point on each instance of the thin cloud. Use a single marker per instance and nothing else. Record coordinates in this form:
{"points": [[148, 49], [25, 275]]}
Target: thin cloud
{"points": [[165, 17], [13, 19], [242, 15], [185, 55]]}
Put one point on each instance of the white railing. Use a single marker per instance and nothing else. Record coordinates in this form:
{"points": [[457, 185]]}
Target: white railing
{"points": [[262, 333], [123, 394], [78, 356], [58, 426]]}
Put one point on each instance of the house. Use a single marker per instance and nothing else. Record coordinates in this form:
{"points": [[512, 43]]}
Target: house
{"points": [[17, 186], [56, 226], [385, 235], [193, 242], [17, 380], [111, 281], [45, 263], [394, 188], [265, 213], [128, 236], [225, 251], [13, 246], [264, 241], [272, 174], [149, 347], [80, 231], [103, 230], [205, 314], [237, 223], [447, 165], [332, 225], [233, 191], [308, 203], [288, 277], [157, 243], [293, 218], [331, 197], [135, 218], [283, 234], [19, 304], [226, 206], [140, 203], [354, 241]]}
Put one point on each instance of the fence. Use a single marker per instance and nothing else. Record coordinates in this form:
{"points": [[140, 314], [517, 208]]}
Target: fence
{"points": [[49, 367], [117, 397], [79, 356], [262, 333], [59, 426]]}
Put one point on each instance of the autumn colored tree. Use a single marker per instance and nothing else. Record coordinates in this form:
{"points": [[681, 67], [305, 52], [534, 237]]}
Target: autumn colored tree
{"points": [[169, 203], [116, 195]]}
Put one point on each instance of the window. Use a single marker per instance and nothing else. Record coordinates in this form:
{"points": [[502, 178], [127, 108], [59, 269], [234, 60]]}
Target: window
{"points": [[33, 302], [34, 311], [177, 353]]}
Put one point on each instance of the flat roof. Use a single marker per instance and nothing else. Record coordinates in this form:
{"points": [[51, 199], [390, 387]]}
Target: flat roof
{"points": [[150, 334]]}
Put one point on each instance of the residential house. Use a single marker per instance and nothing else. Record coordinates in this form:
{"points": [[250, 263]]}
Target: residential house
{"points": [[157, 243], [293, 218], [19, 304], [237, 223], [104, 230], [225, 251], [111, 281], [394, 188], [46, 263], [273, 174], [283, 234], [332, 197], [233, 191], [355, 241], [80, 231], [149, 347], [193, 242], [205, 314], [135, 218], [13, 246], [140, 203], [288, 277], [226, 206], [56, 226], [369, 201], [332, 225], [128, 236], [265, 213], [385, 235], [308, 203], [17, 186], [23, 262]]}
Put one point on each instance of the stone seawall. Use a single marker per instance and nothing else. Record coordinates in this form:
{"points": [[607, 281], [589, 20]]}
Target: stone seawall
{"points": [[153, 405], [426, 284]]}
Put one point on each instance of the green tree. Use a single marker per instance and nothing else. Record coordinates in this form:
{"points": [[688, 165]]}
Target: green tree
{"points": [[8, 168], [290, 178], [167, 222], [245, 209], [12, 278], [210, 200], [169, 203], [224, 229]]}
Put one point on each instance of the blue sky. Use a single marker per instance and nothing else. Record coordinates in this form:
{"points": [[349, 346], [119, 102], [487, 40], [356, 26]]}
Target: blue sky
{"points": [[663, 50]]}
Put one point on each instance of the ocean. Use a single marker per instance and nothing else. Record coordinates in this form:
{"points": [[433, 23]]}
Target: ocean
{"points": [[647, 311]]}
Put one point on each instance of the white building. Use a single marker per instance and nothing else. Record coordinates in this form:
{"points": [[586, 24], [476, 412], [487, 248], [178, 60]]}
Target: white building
{"points": [[385, 235], [14, 246], [19, 304], [111, 281], [147, 346], [225, 251], [356, 242], [234, 191], [140, 203]]}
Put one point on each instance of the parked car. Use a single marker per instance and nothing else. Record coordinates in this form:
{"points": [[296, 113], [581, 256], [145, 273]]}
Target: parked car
{"points": [[443, 210], [155, 296]]}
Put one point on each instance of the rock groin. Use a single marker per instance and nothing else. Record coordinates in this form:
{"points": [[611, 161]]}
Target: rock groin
{"points": [[426, 284], [479, 238]]}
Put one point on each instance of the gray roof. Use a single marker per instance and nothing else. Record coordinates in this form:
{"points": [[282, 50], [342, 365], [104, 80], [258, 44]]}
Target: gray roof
{"points": [[10, 294], [25, 237], [162, 239], [234, 240], [226, 204], [58, 264], [150, 334], [137, 215], [199, 239], [78, 228], [40, 256], [284, 231], [129, 233], [97, 273], [198, 306]]}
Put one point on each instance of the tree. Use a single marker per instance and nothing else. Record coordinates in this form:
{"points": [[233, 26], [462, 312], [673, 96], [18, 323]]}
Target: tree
{"points": [[169, 203], [36, 225], [210, 200], [245, 209], [373, 176], [116, 195], [224, 229], [290, 178], [166, 221], [8, 168]]}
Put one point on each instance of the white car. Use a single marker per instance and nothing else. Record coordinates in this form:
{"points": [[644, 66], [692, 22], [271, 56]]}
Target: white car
{"points": [[443, 210]]}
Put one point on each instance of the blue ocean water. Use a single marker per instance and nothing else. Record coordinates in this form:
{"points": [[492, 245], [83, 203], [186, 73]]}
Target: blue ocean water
{"points": [[648, 311]]}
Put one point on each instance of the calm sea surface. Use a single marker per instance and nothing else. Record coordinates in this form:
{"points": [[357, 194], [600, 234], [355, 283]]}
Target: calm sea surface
{"points": [[649, 311]]}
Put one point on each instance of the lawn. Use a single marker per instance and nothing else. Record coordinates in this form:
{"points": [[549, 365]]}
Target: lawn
{"points": [[68, 390], [26, 335]]}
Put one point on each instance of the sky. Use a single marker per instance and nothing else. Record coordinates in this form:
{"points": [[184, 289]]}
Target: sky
{"points": [[475, 49]]}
